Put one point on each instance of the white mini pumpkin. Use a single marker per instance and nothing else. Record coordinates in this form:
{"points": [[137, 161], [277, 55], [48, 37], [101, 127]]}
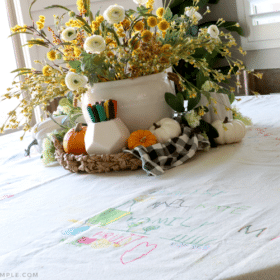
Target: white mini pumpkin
{"points": [[229, 131], [165, 129]]}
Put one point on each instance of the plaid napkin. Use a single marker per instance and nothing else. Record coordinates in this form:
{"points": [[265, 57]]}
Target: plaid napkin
{"points": [[159, 157]]}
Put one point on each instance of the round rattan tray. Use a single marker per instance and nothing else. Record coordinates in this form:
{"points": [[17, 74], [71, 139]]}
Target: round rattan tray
{"points": [[96, 163]]}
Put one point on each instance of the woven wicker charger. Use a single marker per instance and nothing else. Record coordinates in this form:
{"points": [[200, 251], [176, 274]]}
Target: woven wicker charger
{"points": [[95, 163], [100, 163]]}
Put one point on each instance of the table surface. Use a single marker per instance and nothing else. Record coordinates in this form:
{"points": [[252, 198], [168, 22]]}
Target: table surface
{"points": [[214, 217]]}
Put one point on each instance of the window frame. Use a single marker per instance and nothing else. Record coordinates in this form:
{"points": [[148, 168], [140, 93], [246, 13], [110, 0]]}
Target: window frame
{"points": [[19, 56], [257, 37]]}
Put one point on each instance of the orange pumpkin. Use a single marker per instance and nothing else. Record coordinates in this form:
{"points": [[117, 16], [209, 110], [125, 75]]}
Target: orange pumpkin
{"points": [[141, 137], [74, 140]]}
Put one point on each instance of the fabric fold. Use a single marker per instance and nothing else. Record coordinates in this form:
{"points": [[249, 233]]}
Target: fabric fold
{"points": [[160, 157]]}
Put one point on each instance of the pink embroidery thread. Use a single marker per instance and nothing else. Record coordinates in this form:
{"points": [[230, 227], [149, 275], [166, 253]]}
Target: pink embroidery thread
{"points": [[86, 240], [128, 251]]}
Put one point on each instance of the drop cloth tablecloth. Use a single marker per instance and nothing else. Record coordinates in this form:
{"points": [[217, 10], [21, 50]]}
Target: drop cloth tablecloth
{"points": [[215, 217]]}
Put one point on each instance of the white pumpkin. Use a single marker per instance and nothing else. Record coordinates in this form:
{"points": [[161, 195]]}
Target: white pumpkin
{"points": [[222, 102], [229, 131], [166, 129]]}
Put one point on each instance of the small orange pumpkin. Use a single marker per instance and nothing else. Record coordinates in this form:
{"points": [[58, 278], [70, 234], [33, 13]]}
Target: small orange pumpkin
{"points": [[141, 137], [74, 140]]}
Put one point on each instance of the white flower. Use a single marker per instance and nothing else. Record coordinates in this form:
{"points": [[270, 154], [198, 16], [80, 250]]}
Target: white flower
{"points": [[95, 44], [69, 34], [114, 14], [213, 31], [192, 118], [74, 81], [207, 86], [140, 2], [191, 12]]}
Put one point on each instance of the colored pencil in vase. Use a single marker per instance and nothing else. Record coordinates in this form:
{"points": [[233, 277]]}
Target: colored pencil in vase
{"points": [[90, 113]]}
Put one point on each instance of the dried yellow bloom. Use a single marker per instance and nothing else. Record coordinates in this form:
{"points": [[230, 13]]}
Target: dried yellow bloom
{"points": [[51, 55], [47, 70], [160, 12], [146, 36], [40, 25], [163, 25], [99, 19], [139, 26], [152, 21], [259, 75], [125, 24]]}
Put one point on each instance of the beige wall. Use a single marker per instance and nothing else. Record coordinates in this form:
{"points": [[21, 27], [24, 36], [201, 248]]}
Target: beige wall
{"points": [[257, 59]]}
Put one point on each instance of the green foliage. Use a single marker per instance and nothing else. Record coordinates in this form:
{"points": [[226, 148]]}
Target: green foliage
{"points": [[195, 76], [238, 116], [37, 42], [76, 64], [21, 69], [175, 102], [48, 156], [192, 102], [20, 32], [168, 15], [94, 65], [33, 2], [86, 26]]}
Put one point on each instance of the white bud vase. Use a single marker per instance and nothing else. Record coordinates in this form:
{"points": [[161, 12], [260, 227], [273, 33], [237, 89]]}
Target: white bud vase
{"points": [[222, 102], [108, 137], [141, 101]]}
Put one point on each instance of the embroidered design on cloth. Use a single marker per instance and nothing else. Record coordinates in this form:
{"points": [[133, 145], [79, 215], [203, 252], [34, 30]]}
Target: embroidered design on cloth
{"points": [[160, 157]]}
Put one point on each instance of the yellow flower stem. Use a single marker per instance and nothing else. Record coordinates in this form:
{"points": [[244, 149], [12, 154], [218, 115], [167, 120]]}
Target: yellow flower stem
{"points": [[45, 38], [10, 115], [115, 35], [132, 25]]}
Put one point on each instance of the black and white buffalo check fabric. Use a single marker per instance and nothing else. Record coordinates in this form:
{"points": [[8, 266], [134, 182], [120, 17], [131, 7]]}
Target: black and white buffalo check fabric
{"points": [[160, 157]]}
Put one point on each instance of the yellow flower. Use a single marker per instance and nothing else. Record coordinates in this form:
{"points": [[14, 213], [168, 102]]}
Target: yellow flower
{"points": [[95, 25], [42, 19], [139, 26], [40, 25], [125, 23], [99, 19], [77, 51], [166, 47], [201, 112], [152, 21], [146, 36], [47, 70], [51, 55], [160, 12], [135, 44], [110, 54], [163, 25], [80, 6]]}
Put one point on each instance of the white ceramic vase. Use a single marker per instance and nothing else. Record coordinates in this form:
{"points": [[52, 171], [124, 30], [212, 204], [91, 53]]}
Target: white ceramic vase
{"points": [[222, 102], [108, 137], [141, 100]]}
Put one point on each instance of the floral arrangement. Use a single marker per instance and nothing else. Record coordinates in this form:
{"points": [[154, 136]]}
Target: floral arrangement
{"points": [[118, 44]]}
